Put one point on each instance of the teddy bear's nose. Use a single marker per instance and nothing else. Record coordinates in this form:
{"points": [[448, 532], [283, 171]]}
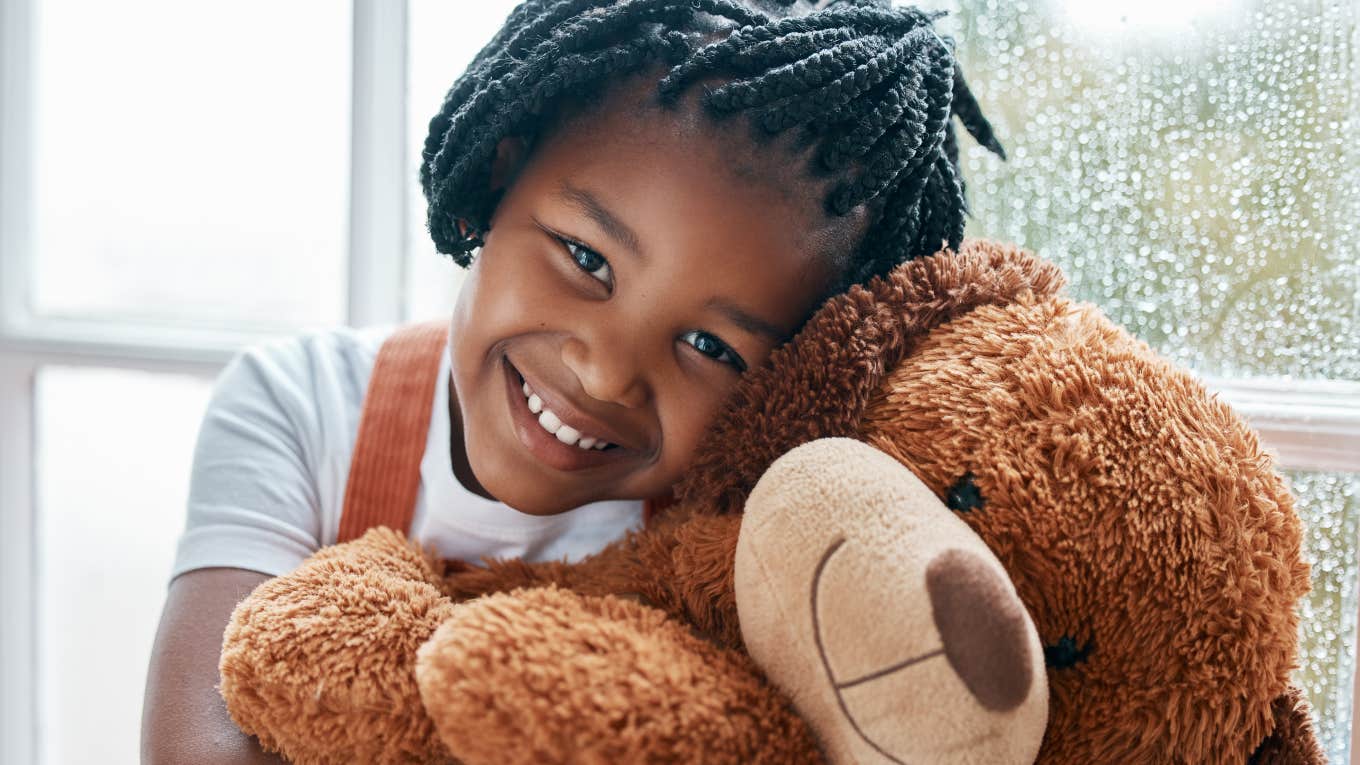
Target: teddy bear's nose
{"points": [[983, 626]]}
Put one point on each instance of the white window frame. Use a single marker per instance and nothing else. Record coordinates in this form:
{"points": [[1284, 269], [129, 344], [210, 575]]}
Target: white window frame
{"points": [[376, 252], [1310, 425]]}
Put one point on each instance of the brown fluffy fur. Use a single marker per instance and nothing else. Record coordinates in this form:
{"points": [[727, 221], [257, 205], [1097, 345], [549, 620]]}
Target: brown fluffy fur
{"points": [[1136, 514], [597, 680], [315, 663], [1293, 740]]}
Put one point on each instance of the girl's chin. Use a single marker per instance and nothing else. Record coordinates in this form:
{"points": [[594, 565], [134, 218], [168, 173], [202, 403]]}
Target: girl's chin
{"points": [[542, 507], [536, 505], [516, 491], [557, 499]]}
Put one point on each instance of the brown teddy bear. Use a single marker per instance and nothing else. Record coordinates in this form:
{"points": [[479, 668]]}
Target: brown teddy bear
{"points": [[1135, 516]]}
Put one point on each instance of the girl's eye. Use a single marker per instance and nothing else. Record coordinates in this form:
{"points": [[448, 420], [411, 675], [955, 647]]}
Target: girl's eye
{"points": [[591, 262], [714, 348]]}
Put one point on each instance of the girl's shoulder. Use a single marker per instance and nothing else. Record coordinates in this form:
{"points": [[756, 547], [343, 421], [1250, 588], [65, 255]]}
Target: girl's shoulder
{"points": [[336, 362], [269, 465], [308, 386], [315, 352]]}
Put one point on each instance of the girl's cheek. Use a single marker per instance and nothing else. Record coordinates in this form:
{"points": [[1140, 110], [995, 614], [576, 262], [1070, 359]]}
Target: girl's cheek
{"points": [[690, 410], [517, 291]]}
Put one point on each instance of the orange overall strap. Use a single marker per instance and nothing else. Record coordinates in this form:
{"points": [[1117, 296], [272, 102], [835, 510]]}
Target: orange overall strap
{"points": [[384, 471]]}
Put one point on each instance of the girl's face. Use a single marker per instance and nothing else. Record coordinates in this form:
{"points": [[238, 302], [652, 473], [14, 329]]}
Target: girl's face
{"points": [[639, 261]]}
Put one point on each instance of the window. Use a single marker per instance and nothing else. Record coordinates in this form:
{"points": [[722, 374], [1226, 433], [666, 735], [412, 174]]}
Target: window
{"points": [[166, 198]]}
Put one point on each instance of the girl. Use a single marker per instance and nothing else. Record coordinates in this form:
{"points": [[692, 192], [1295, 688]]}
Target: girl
{"points": [[651, 195]]}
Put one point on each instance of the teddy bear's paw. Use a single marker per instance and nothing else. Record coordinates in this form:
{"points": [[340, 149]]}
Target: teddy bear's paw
{"points": [[546, 675], [889, 622], [318, 663]]}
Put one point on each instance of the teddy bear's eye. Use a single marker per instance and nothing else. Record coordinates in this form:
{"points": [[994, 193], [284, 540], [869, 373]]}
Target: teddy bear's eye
{"points": [[1065, 652], [964, 495]]}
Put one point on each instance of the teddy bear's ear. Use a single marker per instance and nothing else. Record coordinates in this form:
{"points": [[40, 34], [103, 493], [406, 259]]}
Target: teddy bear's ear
{"points": [[1293, 742]]}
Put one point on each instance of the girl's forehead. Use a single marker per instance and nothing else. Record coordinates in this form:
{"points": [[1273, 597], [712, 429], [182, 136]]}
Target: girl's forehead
{"points": [[629, 141]]}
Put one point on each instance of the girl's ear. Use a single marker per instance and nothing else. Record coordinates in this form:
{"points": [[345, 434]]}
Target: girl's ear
{"points": [[510, 155]]}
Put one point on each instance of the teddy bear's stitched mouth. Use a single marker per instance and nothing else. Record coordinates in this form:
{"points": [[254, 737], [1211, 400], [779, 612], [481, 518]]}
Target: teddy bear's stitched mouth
{"points": [[840, 687], [989, 654], [821, 650]]}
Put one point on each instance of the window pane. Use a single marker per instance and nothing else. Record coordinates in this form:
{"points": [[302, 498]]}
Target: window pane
{"points": [[1329, 504], [192, 160], [114, 450], [443, 39], [1193, 164]]}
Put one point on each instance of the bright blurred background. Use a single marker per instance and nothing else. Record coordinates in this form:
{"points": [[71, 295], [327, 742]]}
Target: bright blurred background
{"points": [[179, 179]]}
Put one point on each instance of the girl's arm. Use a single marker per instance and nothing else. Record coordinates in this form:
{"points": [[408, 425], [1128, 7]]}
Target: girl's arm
{"points": [[183, 717]]}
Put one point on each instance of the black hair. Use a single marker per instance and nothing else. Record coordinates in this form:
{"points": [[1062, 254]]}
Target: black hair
{"points": [[872, 87]]}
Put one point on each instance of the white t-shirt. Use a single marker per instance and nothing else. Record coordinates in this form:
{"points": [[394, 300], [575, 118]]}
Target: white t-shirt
{"points": [[273, 453]]}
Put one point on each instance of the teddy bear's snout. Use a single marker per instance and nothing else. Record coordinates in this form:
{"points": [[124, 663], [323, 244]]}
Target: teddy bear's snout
{"points": [[983, 626]]}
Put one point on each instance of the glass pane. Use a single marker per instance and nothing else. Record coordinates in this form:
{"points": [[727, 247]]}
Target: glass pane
{"points": [[444, 37], [192, 160], [1193, 164], [114, 450], [1329, 504]]}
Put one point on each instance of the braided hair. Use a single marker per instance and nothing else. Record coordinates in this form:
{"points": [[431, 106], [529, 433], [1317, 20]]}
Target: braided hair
{"points": [[872, 88]]}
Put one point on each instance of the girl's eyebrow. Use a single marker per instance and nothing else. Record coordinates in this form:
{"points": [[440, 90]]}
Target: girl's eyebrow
{"points": [[753, 324], [625, 237], [591, 206]]}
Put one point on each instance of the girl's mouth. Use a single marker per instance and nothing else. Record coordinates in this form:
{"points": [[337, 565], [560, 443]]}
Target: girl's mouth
{"points": [[545, 446]]}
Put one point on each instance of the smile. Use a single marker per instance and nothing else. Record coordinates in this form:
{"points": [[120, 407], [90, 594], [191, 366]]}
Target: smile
{"points": [[554, 425], [544, 434]]}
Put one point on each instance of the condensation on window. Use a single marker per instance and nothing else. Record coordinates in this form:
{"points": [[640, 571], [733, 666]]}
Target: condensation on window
{"points": [[1329, 504], [1193, 165]]}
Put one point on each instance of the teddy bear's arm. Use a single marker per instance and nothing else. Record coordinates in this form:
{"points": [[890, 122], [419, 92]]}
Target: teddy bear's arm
{"points": [[548, 675], [685, 569], [318, 664], [590, 575], [681, 564]]}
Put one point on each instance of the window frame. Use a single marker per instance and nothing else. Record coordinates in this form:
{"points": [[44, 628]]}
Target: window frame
{"points": [[1308, 424]]}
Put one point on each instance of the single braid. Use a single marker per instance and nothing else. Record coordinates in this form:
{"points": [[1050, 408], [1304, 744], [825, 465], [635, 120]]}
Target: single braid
{"points": [[880, 110], [911, 142], [873, 87]]}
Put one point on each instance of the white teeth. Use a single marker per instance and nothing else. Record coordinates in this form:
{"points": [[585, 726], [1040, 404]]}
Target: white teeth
{"points": [[549, 421], [553, 424], [567, 434]]}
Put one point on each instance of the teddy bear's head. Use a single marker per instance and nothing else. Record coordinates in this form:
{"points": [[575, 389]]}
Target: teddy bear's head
{"points": [[1142, 525]]}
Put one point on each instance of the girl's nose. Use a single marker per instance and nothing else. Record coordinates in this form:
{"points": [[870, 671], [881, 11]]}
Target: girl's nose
{"points": [[607, 372]]}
